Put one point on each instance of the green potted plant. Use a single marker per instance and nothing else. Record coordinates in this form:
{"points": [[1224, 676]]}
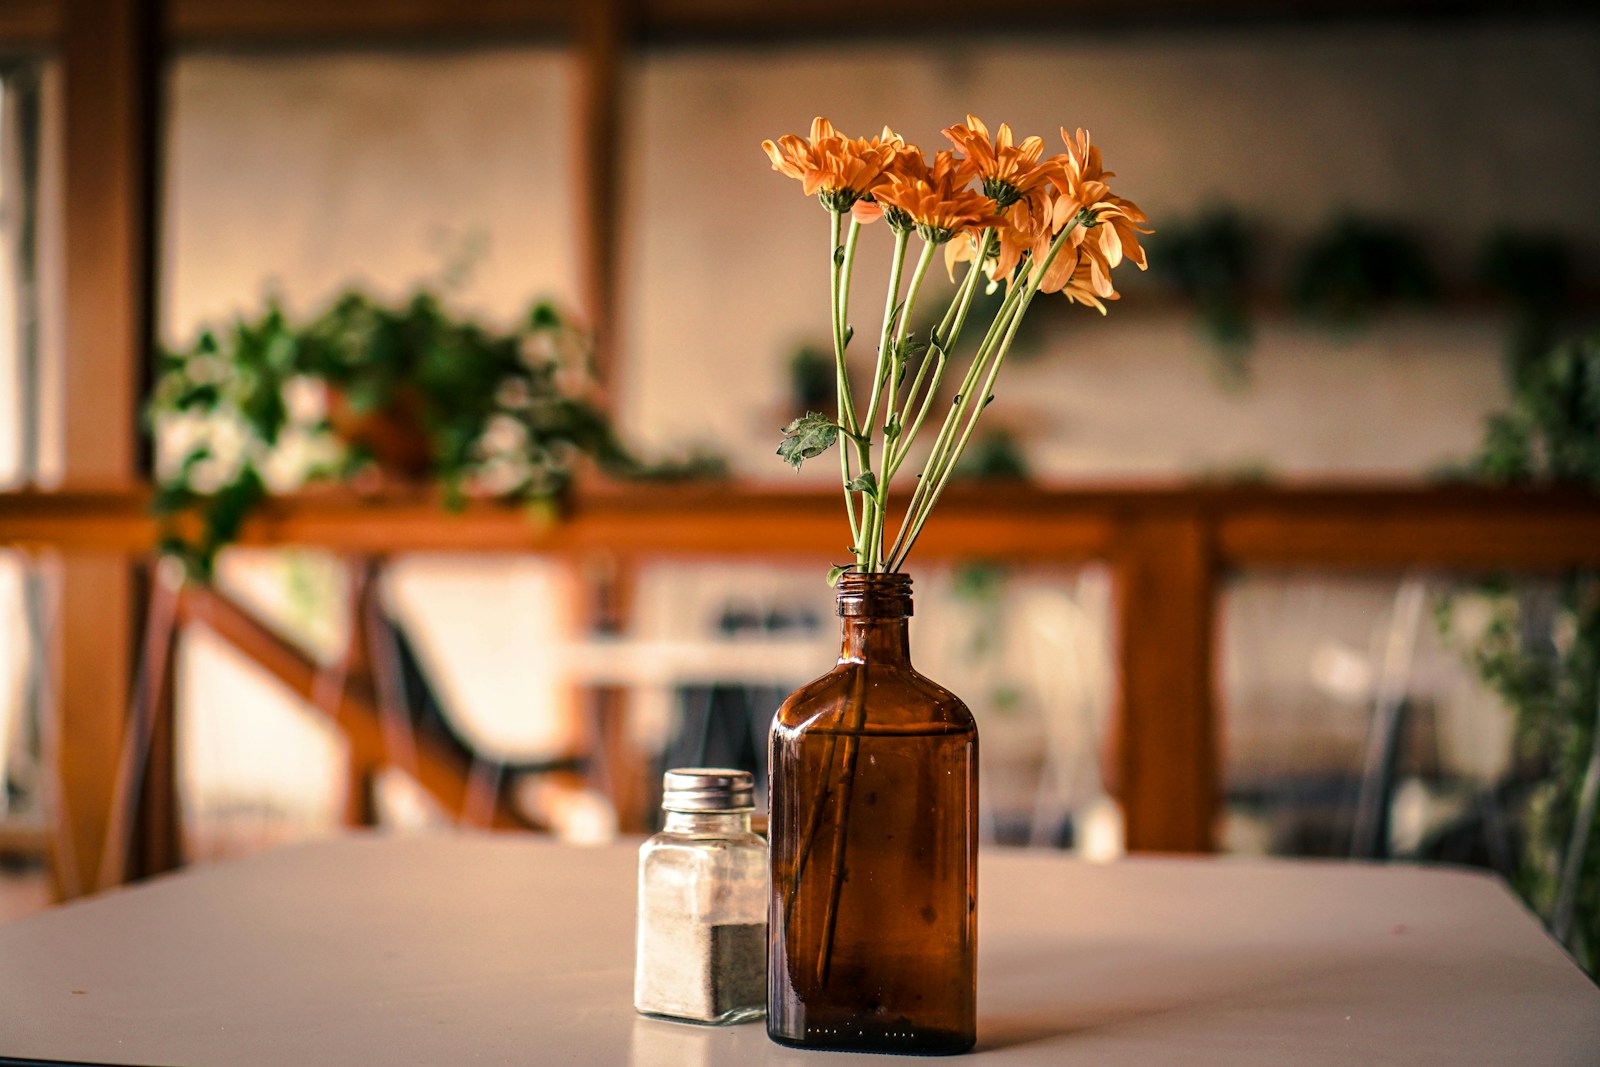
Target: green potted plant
{"points": [[374, 395]]}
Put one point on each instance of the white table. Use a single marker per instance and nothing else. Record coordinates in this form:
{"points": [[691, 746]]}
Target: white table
{"points": [[511, 950]]}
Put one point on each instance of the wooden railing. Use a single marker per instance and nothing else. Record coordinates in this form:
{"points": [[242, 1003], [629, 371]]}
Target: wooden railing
{"points": [[1168, 547]]}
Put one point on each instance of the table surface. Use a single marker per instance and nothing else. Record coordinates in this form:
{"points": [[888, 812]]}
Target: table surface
{"points": [[511, 950]]}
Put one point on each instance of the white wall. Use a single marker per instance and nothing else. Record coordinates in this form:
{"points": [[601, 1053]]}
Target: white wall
{"points": [[1452, 130], [305, 173]]}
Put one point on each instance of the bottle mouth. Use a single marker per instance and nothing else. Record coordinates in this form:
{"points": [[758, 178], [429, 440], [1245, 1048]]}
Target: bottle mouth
{"points": [[874, 596], [708, 789]]}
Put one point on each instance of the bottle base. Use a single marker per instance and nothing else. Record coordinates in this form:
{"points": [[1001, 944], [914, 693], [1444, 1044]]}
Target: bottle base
{"points": [[892, 1043]]}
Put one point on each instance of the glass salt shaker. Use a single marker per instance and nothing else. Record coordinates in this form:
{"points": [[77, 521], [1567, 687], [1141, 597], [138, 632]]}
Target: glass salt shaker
{"points": [[702, 942]]}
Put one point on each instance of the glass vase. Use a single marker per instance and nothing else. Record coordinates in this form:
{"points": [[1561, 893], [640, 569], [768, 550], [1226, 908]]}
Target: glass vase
{"points": [[872, 918]]}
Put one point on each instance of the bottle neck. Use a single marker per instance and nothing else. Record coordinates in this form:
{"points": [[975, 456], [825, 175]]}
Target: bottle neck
{"points": [[870, 640], [874, 613], [707, 823]]}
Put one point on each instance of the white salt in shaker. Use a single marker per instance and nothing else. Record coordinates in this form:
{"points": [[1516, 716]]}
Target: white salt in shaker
{"points": [[702, 945]]}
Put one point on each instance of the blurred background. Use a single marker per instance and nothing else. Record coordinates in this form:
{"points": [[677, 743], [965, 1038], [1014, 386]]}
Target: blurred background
{"points": [[1264, 561]]}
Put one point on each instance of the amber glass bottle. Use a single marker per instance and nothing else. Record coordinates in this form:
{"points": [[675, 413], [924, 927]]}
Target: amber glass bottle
{"points": [[873, 912]]}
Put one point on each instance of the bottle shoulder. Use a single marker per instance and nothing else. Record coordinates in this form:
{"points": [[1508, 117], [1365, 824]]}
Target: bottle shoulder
{"points": [[895, 696]]}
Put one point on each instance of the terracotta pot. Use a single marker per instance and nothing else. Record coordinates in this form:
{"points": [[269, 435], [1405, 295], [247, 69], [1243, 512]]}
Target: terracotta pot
{"points": [[394, 435]]}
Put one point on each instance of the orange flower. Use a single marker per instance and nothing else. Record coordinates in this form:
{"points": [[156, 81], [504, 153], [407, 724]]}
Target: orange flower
{"points": [[1018, 229], [902, 156], [839, 170], [1075, 274], [1009, 172], [1110, 225], [934, 199]]}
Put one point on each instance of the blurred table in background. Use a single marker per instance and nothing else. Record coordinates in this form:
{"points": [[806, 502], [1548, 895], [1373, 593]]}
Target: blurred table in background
{"points": [[506, 949]]}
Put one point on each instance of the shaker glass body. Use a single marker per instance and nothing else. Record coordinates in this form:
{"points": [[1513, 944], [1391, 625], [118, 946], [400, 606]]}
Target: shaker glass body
{"points": [[701, 949]]}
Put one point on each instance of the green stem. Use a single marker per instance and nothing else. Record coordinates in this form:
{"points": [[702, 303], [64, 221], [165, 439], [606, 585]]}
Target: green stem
{"points": [[957, 412], [913, 528], [858, 433], [841, 375], [896, 369], [950, 328], [847, 781], [885, 338], [922, 412], [808, 837]]}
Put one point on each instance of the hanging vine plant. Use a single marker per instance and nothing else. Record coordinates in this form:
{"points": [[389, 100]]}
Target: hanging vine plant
{"points": [[1532, 273], [1212, 261], [1359, 266]]}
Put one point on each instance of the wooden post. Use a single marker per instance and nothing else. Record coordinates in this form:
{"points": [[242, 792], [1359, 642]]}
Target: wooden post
{"points": [[93, 667], [1167, 752], [604, 586], [361, 773], [110, 78], [110, 93], [603, 27]]}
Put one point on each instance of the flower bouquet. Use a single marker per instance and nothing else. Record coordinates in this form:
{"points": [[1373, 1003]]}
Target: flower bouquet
{"points": [[873, 906]]}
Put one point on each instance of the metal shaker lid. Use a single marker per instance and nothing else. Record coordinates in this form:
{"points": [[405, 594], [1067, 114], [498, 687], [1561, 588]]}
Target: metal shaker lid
{"points": [[707, 789]]}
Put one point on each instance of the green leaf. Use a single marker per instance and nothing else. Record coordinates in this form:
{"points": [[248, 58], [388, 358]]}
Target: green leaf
{"points": [[806, 438], [911, 347], [544, 316], [838, 255], [837, 571], [865, 482], [891, 429]]}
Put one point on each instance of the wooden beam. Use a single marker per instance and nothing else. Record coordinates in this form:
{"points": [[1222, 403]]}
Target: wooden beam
{"points": [[29, 24], [603, 29], [1166, 736], [155, 843], [1354, 526], [359, 22], [36, 23]]}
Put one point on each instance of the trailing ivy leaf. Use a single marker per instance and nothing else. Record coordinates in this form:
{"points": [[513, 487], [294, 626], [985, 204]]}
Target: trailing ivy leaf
{"points": [[806, 438], [202, 397], [543, 316], [866, 482], [171, 499], [837, 571]]}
